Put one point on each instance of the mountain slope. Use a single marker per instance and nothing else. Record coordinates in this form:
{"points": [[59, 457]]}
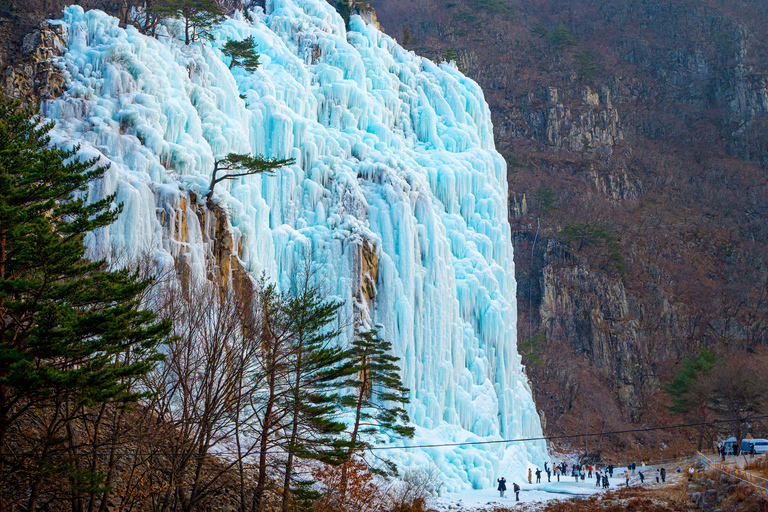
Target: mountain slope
{"points": [[636, 134]]}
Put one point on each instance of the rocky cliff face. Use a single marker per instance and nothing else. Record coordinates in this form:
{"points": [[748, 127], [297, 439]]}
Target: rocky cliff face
{"points": [[587, 120], [33, 74], [637, 143]]}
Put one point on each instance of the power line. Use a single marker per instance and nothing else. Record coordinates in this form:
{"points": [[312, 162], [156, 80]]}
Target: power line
{"points": [[383, 448], [573, 436]]}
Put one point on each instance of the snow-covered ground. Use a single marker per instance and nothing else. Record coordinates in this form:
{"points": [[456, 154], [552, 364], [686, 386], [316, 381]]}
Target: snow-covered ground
{"points": [[566, 488]]}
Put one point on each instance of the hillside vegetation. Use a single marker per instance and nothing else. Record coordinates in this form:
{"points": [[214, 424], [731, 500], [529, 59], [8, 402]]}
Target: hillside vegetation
{"points": [[635, 134]]}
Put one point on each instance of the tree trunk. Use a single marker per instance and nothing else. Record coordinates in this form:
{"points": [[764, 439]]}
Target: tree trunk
{"points": [[202, 451], [355, 430], [294, 431], [3, 390], [112, 460], [264, 442], [34, 494]]}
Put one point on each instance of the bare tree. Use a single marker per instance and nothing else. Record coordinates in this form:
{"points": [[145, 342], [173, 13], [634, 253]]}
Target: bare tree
{"points": [[737, 389], [198, 391]]}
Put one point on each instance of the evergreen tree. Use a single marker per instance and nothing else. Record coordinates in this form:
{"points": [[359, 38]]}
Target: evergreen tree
{"points": [[406, 36], [318, 367], [200, 17], [246, 165], [71, 332], [680, 389], [379, 392], [243, 54], [271, 374], [451, 55]]}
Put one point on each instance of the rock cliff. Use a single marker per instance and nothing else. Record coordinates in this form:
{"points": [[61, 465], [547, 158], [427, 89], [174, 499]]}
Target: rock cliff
{"points": [[636, 141]]}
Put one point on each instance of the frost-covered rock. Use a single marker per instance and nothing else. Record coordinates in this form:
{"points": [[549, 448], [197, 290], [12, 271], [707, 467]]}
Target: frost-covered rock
{"points": [[395, 169]]}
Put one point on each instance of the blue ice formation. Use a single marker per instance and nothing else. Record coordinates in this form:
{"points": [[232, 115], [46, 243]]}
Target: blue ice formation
{"points": [[397, 182]]}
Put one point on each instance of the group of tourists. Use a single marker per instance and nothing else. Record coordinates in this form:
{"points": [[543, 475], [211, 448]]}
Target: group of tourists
{"points": [[601, 474]]}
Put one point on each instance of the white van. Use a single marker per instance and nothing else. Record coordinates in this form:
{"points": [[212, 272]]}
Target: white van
{"points": [[761, 445]]}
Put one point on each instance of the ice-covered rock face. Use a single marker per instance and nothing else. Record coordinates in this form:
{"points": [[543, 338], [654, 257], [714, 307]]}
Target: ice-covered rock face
{"points": [[393, 153]]}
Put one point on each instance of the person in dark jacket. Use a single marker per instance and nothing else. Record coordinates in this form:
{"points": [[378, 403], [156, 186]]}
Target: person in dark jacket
{"points": [[642, 477], [663, 475], [606, 484], [517, 491], [610, 470], [538, 476], [502, 485]]}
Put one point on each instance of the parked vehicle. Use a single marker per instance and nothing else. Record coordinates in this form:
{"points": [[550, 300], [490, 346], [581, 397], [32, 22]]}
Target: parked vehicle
{"points": [[761, 445]]}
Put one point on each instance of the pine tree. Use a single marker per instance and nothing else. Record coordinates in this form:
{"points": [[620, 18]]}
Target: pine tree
{"points": [[271, 373], [451, 55], [319, 368], [379, 392], [71, 332], [200, 17], [246, 164], [243, 54], [679, 390], [406, 36]]}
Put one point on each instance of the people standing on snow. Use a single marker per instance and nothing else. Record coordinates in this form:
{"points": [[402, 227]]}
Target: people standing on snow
{"points": [[583, 472], [598, 479], [549, 475], [657, 476], [557, 473], [642, 477], [589, 468], [663, 475], [575, 474], [538, 476], [606, 484], [502, 485], [529, 475], [610, 470], [626, 477], [516, 488]]}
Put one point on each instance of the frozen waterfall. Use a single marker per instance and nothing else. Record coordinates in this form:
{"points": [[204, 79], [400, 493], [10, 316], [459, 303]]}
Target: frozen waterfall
{"points": [[397, 190]]}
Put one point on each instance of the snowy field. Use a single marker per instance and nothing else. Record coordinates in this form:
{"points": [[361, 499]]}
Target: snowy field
{"points": [[566, 488]]}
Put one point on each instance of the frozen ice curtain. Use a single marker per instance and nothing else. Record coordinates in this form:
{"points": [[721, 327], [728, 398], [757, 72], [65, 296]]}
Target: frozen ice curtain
{"points": [[395, 158]]}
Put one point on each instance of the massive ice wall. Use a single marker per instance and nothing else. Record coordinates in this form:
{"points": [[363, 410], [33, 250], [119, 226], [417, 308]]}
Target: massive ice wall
{"points": [[397, 193]]}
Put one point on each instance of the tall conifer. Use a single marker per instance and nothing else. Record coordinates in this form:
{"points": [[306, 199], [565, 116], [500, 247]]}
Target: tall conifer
{"points": [[379, 394], [319, 368], [67, 325]]}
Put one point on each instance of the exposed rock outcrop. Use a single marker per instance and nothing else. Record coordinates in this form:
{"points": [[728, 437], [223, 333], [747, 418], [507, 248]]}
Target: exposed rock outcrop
{"points": [[582, 123], [34, 75], [593, 313]]}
